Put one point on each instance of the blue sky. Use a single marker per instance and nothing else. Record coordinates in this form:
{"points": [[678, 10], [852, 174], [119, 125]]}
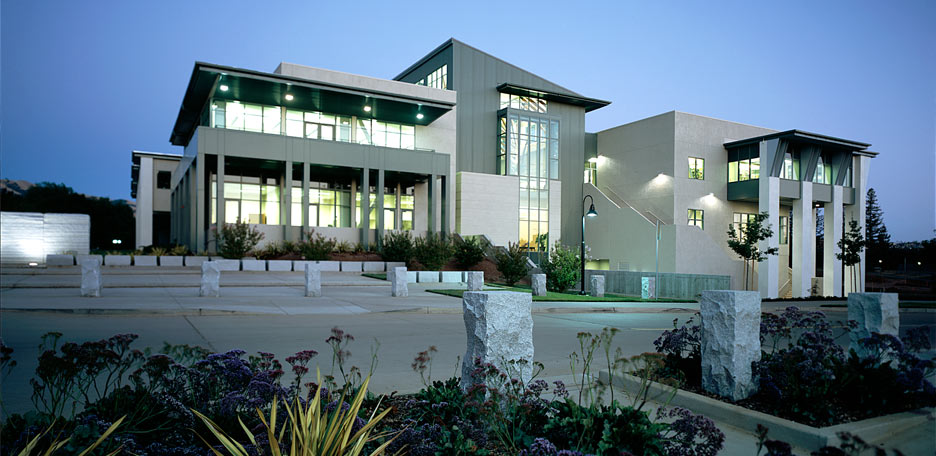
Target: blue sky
{"points": [[84, 83]]}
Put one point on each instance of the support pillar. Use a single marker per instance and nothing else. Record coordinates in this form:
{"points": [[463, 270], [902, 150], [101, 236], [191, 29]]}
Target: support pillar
{"points": [[365, 207], [305, 200], [768, 274], [832, 266], [286, 201], [378, 240], [804, 236], [444, 205], [431, 209], [219, 211], [201, 231]]}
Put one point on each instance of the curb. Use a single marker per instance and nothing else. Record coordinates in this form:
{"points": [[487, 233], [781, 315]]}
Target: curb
{"points": [[797, 434]]}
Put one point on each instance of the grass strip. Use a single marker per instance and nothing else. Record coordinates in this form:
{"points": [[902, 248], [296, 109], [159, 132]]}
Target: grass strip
{"points": [[560, 297]]}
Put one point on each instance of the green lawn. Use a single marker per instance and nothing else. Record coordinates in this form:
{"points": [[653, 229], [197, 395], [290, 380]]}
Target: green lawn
{"points": [[902, 304], [557, 297]]}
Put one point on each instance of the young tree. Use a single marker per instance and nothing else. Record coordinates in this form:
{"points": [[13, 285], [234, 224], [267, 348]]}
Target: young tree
{"points": [[744, 243], [878, 240], [850, 245]]}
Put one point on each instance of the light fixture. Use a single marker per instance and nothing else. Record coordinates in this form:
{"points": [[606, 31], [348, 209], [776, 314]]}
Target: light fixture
{"points": [[289, 97], [880, 261], [919, 263], [367, 108], [591, 211], [420, 116], [34, 264], [224, 87], [593, 160], [590, 214]]}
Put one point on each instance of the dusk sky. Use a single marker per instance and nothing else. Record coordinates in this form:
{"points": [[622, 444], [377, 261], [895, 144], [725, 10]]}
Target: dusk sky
{"points": [[85, 82]]}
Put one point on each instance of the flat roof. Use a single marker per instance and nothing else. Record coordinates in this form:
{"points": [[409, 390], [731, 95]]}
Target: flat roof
{"points": [[161, 155], [590, 104], [252, 86], [805, 136]]}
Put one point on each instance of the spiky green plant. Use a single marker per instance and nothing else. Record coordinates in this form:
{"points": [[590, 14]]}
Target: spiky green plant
{"points": [[32, 447]]}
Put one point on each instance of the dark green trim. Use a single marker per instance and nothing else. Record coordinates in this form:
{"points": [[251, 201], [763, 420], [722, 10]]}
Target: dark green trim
{"points": [[590, 104], [748, 190], [804, 136]]}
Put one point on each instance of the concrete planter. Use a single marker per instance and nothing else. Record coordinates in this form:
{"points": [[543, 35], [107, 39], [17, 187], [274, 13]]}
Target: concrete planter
{"points": [[810, 438], [253, 265], [395, 264], [412, 276], [331, 266], [280, 265], [428, 276], [352, 266], [195, 260], [80, 258], [453, 276], [374, 266], [171, 261], [60, 260], [117, 260], [144, 260], [228, 265]]}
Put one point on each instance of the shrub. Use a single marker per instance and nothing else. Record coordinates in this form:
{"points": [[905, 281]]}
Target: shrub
{"points": [[277, 249], [398, 247], [317, 247], [235, 240], [512, 264], [344, 247], [433, 251], [468, 253], [179, 250], [562, 268]]}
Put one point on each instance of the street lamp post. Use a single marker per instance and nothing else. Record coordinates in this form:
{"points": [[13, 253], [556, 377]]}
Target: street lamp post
{"points": [[591, 213]]}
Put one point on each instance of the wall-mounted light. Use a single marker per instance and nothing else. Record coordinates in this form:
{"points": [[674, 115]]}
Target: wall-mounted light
{"points": [[420, 116], [289, 97], [367, 108], [224, 87], [593, 160]]}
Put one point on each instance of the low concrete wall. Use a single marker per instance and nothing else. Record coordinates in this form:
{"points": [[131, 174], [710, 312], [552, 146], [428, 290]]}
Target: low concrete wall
{"points": [[27, 237], [144, 260], [170, 260], [670, 285]]}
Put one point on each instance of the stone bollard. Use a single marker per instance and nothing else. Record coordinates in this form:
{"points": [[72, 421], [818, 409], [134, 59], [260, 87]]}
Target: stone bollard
{"points": [[313, 281], [648, 287], [539, 284], [597, 286], [730, 341], [210, 279], [91, 278], [399, 287], [499, 325], [874, 313], [475, 280]]}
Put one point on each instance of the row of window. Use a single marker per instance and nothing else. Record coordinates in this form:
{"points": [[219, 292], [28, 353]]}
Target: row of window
{"points": [[278, 120], [741, 219], [749, 168], [438, 79], [743, 170], [528, 146], [523, 103]]}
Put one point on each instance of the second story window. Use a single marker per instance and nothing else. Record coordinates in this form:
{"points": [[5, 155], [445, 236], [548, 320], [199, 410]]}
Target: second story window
{"points": [[438, 79], [696, 168], [696, 218], [823, 172], [163, 179], [523, 103]]}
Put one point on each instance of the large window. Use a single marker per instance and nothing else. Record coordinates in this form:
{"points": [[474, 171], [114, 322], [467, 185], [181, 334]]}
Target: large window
{"points": [[528, 146], [740, 221], [696, 218], [823, 173], [696, 168], [743, 163], [790, 168], [164, 179], [277, 120], [591, 172], [438, 79], [247, 199], [407, 206], [329, 204], [534, 212], [523, 103]]}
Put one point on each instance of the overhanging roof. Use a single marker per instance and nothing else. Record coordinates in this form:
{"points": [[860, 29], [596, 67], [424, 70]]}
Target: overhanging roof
{"points": [[807, 137], [590, 104], [270, 89]]}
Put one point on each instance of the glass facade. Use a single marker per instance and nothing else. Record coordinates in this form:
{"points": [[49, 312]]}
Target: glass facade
{"points": [[534, 213], [823, 174], [528, 146], [438, 79], [278, 120], [740, 221], [523, 103], [247, 199], [696, 168], [696, 218], [790, 168], [744, 163], [329, 204]]}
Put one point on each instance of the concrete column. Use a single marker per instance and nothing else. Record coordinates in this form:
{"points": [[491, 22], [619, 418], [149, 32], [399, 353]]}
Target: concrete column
{"points": [[444, 209], [832, 266], [201, 239], [398, 213], [144, 203], [768, 274], [804, 235], [365, 207], [305, 199], [380, 208], [286, 200], [431, 204], [858, 211], [220, 207]]}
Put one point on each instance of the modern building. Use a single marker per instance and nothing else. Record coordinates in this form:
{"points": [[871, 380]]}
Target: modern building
{"points": [[463, 141], [151, 186]]}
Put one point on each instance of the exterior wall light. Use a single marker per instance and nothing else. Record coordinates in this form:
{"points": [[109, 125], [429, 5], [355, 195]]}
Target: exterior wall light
{"points": [[420, 116], [289, 97], [593, 160], [224, 88], [367, 108]]}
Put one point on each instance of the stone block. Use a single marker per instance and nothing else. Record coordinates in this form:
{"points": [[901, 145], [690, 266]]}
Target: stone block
{"points": [[211, 279], [227, 265], [374, 266], [352, 266], [597, 289], [874, 313], [412, 276], [538, 281], [91, 277], [475, 280], [60, 260], [280, 265], [730, 341], [117, 260], [395, 264], [313, 281], [253, 265], [145, 260], [499, 325], [648, 287], [453, 276], [171, 261], [195, 260], [80, 258], [815, 287], [428, 276], [399, 287]]}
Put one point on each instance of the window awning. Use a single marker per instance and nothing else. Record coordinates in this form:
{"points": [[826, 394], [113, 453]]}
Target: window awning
{"points": [[590, 104]]}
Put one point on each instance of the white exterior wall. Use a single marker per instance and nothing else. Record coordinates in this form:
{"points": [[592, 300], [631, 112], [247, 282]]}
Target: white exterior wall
{"points": [[144, 202], [27, 237], [489, 204]]}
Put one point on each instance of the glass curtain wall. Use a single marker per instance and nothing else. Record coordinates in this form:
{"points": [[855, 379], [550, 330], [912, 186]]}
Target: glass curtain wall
{"points": [[250, 199], [329, 204], [743, 163]]}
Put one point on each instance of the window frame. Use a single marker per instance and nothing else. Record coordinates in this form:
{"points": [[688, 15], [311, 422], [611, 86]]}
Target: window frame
{"points": [[696, 221], [696, 172]]}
